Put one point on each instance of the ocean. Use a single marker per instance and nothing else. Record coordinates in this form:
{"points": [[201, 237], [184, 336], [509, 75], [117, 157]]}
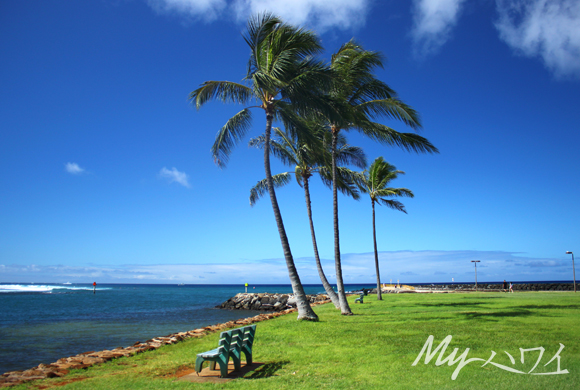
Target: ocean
{"points": [[41, 323]]}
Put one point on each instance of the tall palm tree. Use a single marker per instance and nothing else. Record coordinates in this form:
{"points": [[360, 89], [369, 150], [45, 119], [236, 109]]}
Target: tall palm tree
{"points": [[361, 99], [310, 157], [374, 182], [285, 82]]}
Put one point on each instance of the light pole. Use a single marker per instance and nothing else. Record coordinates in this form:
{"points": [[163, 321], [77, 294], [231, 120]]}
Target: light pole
{"points": [[573, 270], [475, 261]]}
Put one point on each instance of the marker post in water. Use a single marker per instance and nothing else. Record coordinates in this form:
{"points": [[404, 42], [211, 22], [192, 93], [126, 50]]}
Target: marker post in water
{"points": [[246, 288], [94, 287]]}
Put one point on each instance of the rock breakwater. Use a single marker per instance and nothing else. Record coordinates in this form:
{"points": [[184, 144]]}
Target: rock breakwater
{"points": [[268, 302]]}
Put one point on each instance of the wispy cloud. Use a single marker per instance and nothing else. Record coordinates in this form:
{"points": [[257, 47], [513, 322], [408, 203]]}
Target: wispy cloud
{"points": [[318, 14], [405, 266], [207, 10], [273, 272], [173, 175], [443, 266], [549, 29], [433, 22], [73, 168]]}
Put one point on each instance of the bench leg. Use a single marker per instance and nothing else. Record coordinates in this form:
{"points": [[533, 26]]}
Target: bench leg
{"points": [[248, 357], [237, 359], [221, 361], [223, 367], [198, 363]]}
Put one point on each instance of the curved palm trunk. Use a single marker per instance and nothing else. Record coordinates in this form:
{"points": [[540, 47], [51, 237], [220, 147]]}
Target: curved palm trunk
{"points": [[379, 295], [327, 286], [305, 312], [344, 307]]}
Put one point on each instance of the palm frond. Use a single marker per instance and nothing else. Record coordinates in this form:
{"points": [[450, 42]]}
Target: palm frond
{"points": [[346, 181], [343, 51], [294, 124], [392, 108], [279, 147], [265, 85], [402, 192], [353, 67], [230, 135], [297, 42], [351, 155], [310, 79], [386, 135], [375, 181], [261, 187], [360, 99], [393, 204], [225, 91], [370, 89], [258, 29], [299, 175]]}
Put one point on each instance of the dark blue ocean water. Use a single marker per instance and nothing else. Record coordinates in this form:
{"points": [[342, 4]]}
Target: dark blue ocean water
{"points": [[43, 323]]}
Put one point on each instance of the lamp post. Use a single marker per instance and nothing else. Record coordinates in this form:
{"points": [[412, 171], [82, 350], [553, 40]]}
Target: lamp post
{"points": [[475, 263], [573, 270]]}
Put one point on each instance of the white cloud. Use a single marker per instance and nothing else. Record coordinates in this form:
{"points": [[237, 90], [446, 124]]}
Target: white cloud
{"points": [[203, 9], [405, 266], [442, 266], [270, 272], [433, 22], [318, 14], [173, 175], [73, 168], [549, 29]]}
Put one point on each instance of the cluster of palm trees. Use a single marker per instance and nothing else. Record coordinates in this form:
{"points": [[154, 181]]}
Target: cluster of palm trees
{"points": [[315, 102]]}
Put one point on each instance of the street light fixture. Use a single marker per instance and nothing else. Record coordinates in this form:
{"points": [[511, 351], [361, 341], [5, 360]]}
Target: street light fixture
{"points": [[573, 270], [475, 261]]}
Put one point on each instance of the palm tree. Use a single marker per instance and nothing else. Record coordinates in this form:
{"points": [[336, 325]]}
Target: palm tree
{"points": [[361, 99], [374, 182], [285, 82], [309, 158]]}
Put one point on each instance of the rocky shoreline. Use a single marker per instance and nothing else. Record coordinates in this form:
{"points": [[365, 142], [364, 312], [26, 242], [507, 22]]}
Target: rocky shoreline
{"points": [[267, 302], [84, 360]]}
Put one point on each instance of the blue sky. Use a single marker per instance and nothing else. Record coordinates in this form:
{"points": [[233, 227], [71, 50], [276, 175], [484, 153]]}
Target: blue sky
{"points": [[106, 172]]}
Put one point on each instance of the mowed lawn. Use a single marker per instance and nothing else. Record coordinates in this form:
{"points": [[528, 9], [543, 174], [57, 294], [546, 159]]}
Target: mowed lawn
{"points": [[375, 348]]}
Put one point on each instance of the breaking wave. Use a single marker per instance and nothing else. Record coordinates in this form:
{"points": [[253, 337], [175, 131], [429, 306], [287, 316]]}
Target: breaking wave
{"points": [[43, 288]]}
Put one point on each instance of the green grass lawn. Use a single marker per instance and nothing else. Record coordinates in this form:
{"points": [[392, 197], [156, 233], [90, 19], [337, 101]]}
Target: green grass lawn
{"points": [[375, 348]]}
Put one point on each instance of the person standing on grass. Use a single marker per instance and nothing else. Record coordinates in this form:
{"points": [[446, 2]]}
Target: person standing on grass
{"points": [[511, 287], [504, 286]]}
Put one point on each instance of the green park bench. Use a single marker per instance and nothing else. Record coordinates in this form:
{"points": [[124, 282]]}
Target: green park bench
{"points": [[232, 344], [360, 298]]}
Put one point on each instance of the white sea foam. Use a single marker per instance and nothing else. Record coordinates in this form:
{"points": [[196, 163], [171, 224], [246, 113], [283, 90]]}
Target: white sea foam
{"points": [[6, 288]]}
